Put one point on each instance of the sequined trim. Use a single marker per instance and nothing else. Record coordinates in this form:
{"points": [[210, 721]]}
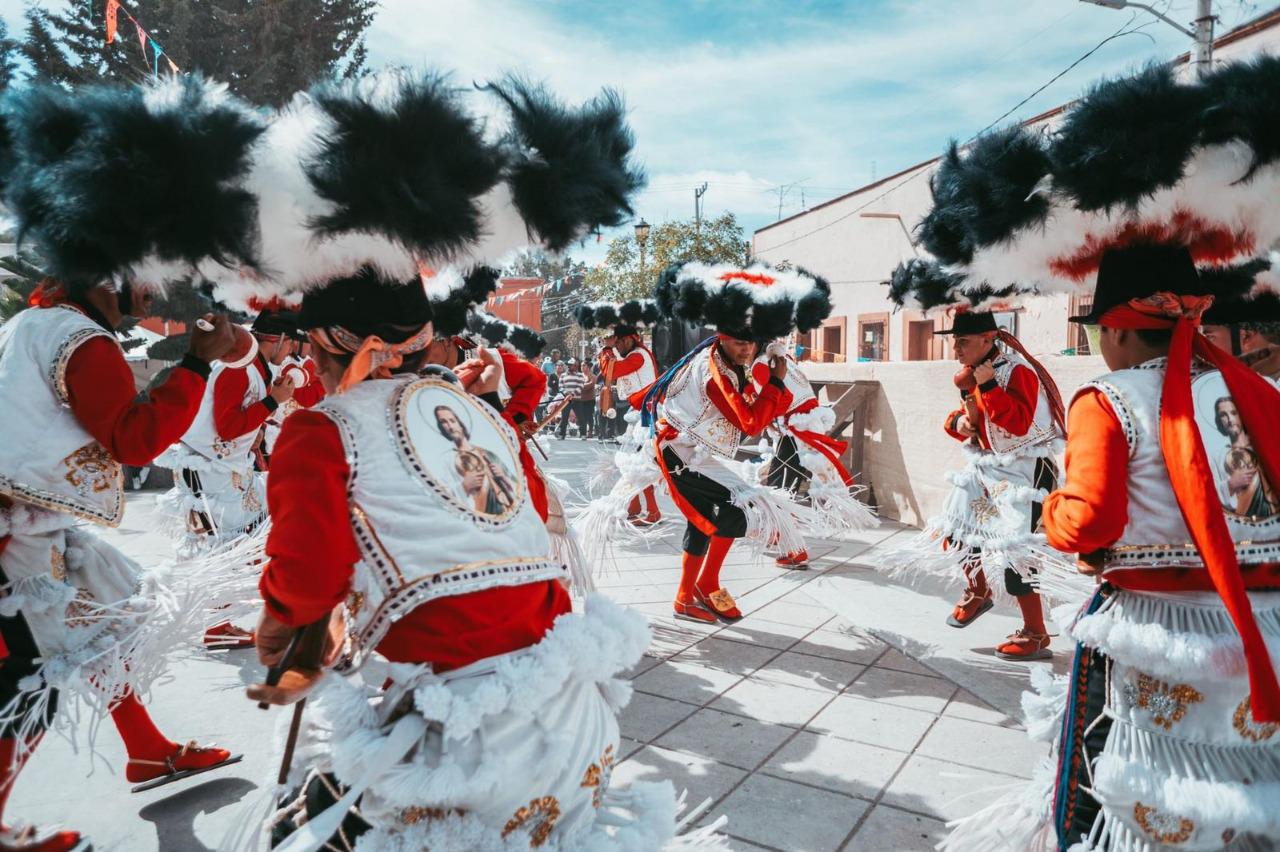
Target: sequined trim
{"points": [[109, 517], [1167, 704], [1123, 413], [1162, 827], [545, 810], [1004, 442], [1185, 555], [1242, 720], [57, 564], [725, 439], [58, 368]]}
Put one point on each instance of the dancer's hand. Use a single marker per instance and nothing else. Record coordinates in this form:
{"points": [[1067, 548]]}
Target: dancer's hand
{"points": [[778, 367], [965, 427], [271, 638], [983, 373], [212, 337], [490, 373], [282, 389]]}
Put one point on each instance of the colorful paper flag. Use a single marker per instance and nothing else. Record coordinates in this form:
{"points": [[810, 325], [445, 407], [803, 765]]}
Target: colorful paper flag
{"points": [[158, 51], [113, 6], [142, 37]]}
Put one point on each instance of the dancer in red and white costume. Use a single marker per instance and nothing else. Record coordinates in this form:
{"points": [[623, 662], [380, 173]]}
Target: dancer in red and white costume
{"points": [[83, 621], [806, 456]]}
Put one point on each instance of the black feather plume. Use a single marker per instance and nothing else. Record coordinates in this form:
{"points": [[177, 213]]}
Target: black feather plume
{"points": [[112, 175], [606, 316], [772, 319], [997, 179], [923, 285], [944, 232], [728, 309], [1243, 103], [411, 166], [526, 341], [689, 300], [579, 177], [812, 309], [664, 295], [450, 313], [585, 316], [649, 313], [631, 312], [1126, 139]]}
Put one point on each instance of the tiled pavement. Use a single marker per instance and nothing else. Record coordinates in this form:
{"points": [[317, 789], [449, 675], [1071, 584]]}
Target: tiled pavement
{"points": [[805, 731]]}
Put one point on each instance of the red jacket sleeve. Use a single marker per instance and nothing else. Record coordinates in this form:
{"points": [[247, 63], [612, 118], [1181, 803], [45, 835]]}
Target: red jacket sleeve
{"points": [[1011, 408], [313, 391], [231, 417], [949, 425], [311, 547], [526, 382], [1090, 511], [103, 398], [751, 418], [628, 365]]}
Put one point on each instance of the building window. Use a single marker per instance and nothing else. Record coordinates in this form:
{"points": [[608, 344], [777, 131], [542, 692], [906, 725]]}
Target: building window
{"points": [[1008, 320], [1077, 336], [873, 337], [804, 347]]}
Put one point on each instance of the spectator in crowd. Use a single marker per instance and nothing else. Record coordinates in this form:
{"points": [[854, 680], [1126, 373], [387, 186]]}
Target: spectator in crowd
{"points": [[584, 408], [571, 382]]}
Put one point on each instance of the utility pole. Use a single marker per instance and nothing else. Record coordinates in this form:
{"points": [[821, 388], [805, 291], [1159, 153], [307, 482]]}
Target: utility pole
{"points": [[1204, 37], [698, 192]]}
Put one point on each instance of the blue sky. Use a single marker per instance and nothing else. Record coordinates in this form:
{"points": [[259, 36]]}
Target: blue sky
{"points": [[750, 95]]}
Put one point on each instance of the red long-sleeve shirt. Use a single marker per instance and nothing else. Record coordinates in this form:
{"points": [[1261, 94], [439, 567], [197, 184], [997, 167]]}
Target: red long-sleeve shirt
{"points": [[1091, 510], [1012, 408], [750, 417], [632, 363], [312, 551], [526, 383], [313, 391], [231, 417], [103, 398]]}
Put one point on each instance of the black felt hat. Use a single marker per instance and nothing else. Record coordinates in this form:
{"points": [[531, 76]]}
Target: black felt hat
{"points": [[1138, 271], [971, 322], [277, 322]]}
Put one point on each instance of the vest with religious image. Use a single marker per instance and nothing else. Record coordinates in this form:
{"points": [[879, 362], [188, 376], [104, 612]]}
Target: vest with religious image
{"points": [[689, 409], [438, 503], [1156, 535], [640, 379], [203, 437], [46, 457], [1042, 431]]}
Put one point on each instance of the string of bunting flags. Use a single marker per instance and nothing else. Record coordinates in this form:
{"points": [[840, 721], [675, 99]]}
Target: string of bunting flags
{"points": [[542, 289], [145, 41]]}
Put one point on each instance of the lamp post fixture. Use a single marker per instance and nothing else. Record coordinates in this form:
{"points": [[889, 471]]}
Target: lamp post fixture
{"points": [[1202, 35], [642, 237]]}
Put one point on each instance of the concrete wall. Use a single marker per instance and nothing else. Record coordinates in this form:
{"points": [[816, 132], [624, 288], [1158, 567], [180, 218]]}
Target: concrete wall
{"points": [[907, 453]]}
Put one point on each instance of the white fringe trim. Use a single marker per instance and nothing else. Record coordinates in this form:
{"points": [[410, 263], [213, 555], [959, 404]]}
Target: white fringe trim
{"points": [[1017, 821]]}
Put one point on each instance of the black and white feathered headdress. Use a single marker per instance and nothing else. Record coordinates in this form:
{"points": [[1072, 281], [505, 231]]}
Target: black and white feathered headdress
{"points": [[622, 318], [749, 303], [1141, 160], [138, 181], [500, 333], [398, 171]]}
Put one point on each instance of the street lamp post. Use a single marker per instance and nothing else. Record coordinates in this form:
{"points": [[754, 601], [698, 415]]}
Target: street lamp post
{"points": [[1202, 35], [642, 237]]}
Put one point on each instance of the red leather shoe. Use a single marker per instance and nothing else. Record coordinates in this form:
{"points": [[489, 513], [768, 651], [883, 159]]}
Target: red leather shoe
{"points": [[1022, 644], [721, 603], [187, 760], [798, 560], [227, 635], [31, 839], [693, 611], [969, 608]]}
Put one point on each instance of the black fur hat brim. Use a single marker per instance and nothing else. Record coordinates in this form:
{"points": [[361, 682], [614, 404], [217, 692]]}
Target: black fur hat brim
{"points": [[623, 318], [366, 303], [751, 303]]}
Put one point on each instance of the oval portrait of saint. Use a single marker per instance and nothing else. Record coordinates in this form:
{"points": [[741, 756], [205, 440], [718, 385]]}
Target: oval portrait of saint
{"points": [[1242, 487], [457, 445]]}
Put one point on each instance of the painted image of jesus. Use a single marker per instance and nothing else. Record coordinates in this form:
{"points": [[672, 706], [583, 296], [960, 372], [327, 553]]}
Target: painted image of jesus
{"points": [[486, 483], [1243, 488]]}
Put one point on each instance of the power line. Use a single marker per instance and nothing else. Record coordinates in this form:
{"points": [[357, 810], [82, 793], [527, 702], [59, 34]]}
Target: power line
{"points": [[923, 168]]}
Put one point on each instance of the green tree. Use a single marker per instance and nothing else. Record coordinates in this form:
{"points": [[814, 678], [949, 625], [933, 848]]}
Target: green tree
{"points": [[719, 240], [265, 50], [536, 263]]}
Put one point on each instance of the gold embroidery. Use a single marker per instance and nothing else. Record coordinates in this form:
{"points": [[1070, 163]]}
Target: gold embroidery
{"points": [[983, 510], [91, 469], [1249, 729], [222, 448], [1166, 704], [248, 494], [415, 814], [355, 602], [546, 810], [597, 776], [1161, 827], [998, 489], [57, 564], [78, 612]]}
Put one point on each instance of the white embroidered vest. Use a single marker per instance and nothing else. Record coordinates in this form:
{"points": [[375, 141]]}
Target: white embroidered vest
{"points": [[1156, 536], [640, 379], [795, 381], [202, 436], [46, 457], [689, 409], [434, 516], [1043, 430]]}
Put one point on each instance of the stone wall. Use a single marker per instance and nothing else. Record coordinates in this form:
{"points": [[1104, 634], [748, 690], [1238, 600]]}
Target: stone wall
{"points": [[906, 452]]}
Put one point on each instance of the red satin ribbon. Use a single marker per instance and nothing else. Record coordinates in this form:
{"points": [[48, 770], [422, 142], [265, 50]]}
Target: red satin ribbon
{"points": [[830, 448], [701, 523], [1257, 402]]}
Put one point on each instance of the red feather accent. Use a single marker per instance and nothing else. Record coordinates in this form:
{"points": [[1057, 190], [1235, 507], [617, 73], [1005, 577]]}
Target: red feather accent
{"points": [[749, 277], [1208, 243]]}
